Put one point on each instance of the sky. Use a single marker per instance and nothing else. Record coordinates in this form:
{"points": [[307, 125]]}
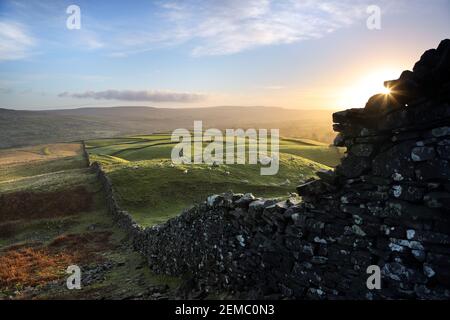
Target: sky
{"points": [[302, 54]]}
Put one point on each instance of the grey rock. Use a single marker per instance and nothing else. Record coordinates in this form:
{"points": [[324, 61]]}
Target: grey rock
{"points": [[441, 131], [422, 153], [362, 150]]}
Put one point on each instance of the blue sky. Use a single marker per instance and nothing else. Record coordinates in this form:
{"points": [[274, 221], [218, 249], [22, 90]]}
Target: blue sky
{"points": [[289, 53]]}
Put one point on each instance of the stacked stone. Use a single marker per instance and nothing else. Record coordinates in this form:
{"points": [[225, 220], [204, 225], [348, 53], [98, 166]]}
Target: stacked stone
{"points": [[85, 154], [395, 179], [387, 204], [121, 217], [250, 247]]}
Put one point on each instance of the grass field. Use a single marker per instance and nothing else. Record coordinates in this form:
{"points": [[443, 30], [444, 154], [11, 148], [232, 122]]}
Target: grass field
{"points": [[52, 210], [153, 189], [43, 168], [53, 215]]}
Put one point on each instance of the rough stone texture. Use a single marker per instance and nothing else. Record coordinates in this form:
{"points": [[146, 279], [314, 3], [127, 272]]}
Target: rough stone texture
{"points": [[387, 204]]}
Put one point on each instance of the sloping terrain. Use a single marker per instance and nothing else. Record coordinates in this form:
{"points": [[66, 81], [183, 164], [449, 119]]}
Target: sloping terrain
{"points": [[52, 215], [153, 189], [51, 126]]}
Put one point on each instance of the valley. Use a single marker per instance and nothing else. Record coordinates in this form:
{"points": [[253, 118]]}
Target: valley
{"points": [[53, 212]]}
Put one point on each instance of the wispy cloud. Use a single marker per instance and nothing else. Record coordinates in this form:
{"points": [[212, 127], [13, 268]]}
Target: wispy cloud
{"points": [[15, 41], [132, 95], [47, 20], [88, 40], [213, 27], [225, 27], [234, 26]]}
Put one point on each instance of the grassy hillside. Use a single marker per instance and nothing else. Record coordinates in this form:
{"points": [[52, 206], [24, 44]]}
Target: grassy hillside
{"points": [[52, 215], [52, 211], [43, 168], [39, 127], [153, 189]]}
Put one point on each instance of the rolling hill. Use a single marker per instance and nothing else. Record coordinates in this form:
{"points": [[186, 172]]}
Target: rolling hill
{"points": [[154, 189], [51, 126], [52, 214]]}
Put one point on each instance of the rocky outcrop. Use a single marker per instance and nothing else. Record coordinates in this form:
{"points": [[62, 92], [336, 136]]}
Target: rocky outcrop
{"points": [[387, 204]]}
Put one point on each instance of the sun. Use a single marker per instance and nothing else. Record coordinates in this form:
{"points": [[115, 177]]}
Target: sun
{"points": [[385, 90], [356, 95]]}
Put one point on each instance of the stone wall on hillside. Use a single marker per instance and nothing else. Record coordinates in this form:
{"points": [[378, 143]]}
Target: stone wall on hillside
{"points": [[85, 154], [387, 204]]}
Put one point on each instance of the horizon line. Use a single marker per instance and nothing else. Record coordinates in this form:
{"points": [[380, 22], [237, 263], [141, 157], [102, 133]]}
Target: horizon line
{"points": [[61, 108]]}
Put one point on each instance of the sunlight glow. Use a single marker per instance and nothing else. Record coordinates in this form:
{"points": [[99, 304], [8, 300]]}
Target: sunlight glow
{"points": [[357, 95], [385, 90]]}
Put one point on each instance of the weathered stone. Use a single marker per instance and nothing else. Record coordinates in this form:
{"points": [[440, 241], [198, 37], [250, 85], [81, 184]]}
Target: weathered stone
{"points": [[438, 259], [433, 169], [398, 208], [245, 200], [352, 209], [339, 141], [380, 104], [392, 211], [422, 153], [444, 142], [420, 255], [437, 199], [399, 272], [319, 260], [443, 151], [402, 136], [328, 176], [362, 150], [431, 237], [348, 116], [441, 132], [214, 200], [396, 160], [314, 187], [408, 193], [379, 180], [352, 167]]}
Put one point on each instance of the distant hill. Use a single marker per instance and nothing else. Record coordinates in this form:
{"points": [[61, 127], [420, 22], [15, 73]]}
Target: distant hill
{"points": [[21, 128]]}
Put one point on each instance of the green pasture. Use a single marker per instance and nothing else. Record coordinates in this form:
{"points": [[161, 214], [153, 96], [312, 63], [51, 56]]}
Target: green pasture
{"points": [[154, 189]]}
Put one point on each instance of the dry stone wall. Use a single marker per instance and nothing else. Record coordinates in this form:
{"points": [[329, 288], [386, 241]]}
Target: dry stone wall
{"points": [[387, 204]]}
